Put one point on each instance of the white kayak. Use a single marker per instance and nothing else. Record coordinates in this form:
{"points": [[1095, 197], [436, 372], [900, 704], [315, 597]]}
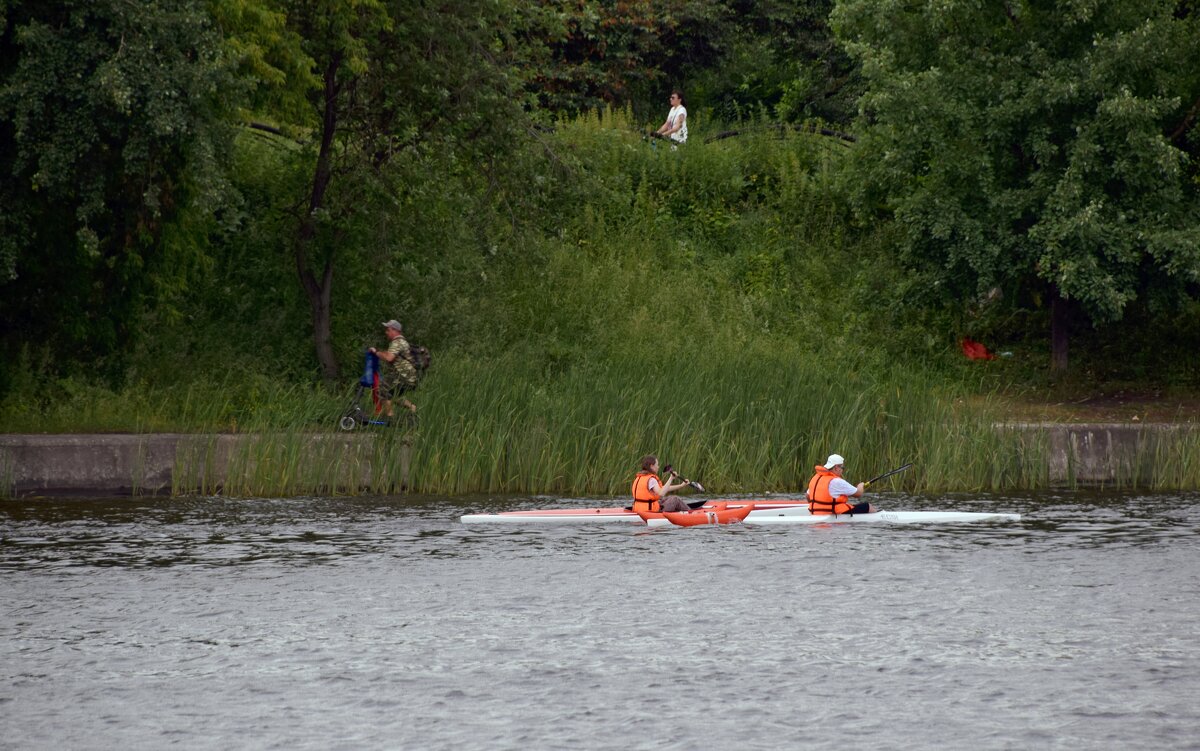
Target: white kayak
{"points": [[887, 517], [765, 512]]}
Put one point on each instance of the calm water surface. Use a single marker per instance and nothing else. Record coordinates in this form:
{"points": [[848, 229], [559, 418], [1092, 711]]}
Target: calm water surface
{"points": [[356, 623]]}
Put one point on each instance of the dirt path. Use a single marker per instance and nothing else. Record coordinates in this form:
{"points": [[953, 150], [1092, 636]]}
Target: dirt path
{"points": [[1117, 406]]}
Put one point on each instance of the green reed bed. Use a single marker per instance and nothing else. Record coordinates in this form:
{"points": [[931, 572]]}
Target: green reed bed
{"points": [[289, 444], [1180, 464], [1170, 458], [512, 424], [505, 425], [755, 426], [277, 462]]}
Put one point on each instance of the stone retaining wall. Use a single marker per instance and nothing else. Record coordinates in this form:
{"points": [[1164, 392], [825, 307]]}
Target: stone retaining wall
{"points": [[165, 463], [1094, 453]]}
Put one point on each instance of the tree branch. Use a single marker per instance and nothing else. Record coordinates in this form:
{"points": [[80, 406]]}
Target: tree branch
{"points": [[267, 128], [846, 137], [1186, 125]]}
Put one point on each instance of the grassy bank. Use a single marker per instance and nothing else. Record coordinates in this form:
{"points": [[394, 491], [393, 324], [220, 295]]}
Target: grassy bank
{"points": [[513, 425], [715, 305]]}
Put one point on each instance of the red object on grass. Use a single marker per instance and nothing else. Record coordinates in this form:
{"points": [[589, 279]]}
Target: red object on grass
{"points": [[976, 351]]}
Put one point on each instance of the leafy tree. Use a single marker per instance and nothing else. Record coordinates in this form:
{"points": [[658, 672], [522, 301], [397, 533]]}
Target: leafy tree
{"points": [[394, 79], [589, 53], [1034, 145], [268, 57], [744, 55], [732, 56], [111, 129]]}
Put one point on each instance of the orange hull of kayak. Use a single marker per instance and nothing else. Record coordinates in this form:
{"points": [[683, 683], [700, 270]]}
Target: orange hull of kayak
{"points": [[719, 513]]}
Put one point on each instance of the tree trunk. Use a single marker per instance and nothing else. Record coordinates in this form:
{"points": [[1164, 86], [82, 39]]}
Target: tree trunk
{"points": [[318, 294], [1059, 309], [319, 291]]}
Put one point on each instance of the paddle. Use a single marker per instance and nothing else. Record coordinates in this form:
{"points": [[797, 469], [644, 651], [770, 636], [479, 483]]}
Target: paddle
{"points": [[669, 470], [887, 474]]}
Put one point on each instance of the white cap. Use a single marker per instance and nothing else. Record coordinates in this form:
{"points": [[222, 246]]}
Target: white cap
{"points": [[833, 461]]}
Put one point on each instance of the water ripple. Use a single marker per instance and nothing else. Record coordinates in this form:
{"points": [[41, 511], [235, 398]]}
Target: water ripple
{"points": [[382, 622]]}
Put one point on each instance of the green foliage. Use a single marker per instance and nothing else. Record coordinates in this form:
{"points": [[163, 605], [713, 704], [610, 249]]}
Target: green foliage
{"points": [[586, 54], [647, 244], [732, 58], [111, 125], [743, 57], [244, 310], [401, 84], [589, 295], [220, 401], [592, 245], [270, 59], [1020, 145]]}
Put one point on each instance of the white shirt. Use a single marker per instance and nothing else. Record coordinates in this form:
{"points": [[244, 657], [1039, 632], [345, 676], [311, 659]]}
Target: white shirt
{"points": [[653, 486], [838, 487], [679, 136]]}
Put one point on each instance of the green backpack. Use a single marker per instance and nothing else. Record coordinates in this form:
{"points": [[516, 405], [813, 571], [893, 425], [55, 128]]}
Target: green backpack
{"points": [[420, 358]]}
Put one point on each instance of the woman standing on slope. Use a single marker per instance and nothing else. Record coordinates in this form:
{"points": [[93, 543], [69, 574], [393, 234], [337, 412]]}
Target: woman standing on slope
{"points": [[675, 128]]}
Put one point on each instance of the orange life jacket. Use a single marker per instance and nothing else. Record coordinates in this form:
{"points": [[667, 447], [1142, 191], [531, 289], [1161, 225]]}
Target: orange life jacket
{"points": [[819, 499], [644, 498]]}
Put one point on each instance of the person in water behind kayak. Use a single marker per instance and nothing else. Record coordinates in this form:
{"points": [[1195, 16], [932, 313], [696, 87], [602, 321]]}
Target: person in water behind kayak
{"points": [[649, 494], [827, 491]]}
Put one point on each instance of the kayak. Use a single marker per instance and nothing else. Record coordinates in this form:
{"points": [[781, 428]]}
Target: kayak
{"points": [[555, 516], [889, 517], [766, 511], [718, 513], [619, 515]]}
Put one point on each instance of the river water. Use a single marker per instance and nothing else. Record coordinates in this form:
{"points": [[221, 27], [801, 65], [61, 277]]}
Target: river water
{"points": [[353, 623]]}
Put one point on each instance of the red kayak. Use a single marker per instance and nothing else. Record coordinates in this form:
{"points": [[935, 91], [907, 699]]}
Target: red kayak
{"points": [[762, 507], [717, 513]]}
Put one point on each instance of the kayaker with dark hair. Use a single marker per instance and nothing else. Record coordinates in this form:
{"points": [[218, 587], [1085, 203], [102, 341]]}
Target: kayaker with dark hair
{"points": [[649, 494], [827, 491]]}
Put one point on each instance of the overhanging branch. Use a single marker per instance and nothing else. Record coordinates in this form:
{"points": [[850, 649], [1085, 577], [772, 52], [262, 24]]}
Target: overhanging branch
{"points": [[845, 137]]}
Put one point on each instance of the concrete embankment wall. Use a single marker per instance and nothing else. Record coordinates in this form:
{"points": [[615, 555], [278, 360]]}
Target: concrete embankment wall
{"points": [[108, 464], [175, 463], [1104, 453]]}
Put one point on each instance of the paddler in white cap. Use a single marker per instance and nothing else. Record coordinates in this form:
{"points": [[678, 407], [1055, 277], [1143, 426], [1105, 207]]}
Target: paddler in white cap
{"points": [[828, 492]]}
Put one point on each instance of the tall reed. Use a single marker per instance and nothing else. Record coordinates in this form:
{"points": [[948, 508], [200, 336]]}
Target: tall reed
{"points": [[750, 426], [754, 424]]}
